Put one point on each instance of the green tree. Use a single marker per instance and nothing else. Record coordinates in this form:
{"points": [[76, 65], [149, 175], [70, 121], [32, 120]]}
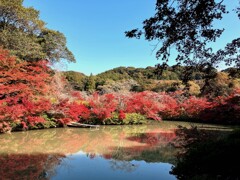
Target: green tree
{"points": [[25, 35], [90, 83], [76, 79], [54, 45], [20, 44]]}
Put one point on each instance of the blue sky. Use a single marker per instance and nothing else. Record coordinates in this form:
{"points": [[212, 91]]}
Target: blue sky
{"points": [[95, 31]]}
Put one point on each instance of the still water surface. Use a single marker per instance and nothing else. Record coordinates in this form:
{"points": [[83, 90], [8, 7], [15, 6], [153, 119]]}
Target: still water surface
{"points": [[111, 152]]}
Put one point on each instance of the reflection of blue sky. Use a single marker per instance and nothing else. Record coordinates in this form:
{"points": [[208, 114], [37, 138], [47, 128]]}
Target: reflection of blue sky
{"points": [[82, 167], [80, 153]]}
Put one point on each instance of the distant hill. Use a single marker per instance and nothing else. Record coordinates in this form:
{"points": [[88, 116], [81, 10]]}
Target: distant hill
{"points": [[122, 79], [120, 73], [141, 76]]}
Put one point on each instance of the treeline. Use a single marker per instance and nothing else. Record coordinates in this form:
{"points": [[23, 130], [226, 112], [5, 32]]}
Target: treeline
{"points": [[147, 79], [33, 96]]}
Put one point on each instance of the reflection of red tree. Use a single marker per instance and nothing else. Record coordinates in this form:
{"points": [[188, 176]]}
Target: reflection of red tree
{"points": [[149, 141], [107, 156], [26, 166], [154, 138]]}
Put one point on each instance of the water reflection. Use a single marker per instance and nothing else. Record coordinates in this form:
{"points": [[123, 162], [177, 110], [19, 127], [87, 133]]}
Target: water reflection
{"points": [[120, 152], [28, 166]]}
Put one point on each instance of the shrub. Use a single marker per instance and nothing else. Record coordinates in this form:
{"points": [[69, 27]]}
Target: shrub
{"points": [[102, 107], [130, 119], [145, 103], [113, 120], [192, 107], [134, 118]]}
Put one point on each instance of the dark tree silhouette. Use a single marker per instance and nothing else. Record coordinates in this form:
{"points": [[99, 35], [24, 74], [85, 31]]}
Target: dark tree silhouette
{"points": [[187, 26]]}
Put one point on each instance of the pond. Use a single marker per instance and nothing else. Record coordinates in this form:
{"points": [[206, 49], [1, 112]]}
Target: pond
{"points": [[110, 152]]}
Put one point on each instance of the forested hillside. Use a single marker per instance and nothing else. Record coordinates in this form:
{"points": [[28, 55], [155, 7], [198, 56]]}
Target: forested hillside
{"points": [[141, 79]]}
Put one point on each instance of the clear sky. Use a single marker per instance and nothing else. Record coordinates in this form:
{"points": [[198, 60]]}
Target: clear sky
{"points": [[95, 31]]}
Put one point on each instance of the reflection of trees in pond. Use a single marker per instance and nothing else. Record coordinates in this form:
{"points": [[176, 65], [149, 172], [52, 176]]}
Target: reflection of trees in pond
{"points": [[119, 143], [67, 141], [152, 147], [64, 141], [162, 154], [70, 140], [91, 155], [154, 138], [123, 165], [116, 143], [27, 166]]}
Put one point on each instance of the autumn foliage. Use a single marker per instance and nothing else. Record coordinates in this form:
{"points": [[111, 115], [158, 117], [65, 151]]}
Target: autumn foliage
{"points": [[23, 87], [29, 99]]}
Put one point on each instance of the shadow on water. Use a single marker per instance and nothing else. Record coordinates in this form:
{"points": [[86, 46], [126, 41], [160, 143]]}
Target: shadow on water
{"points": [[207, 154]]}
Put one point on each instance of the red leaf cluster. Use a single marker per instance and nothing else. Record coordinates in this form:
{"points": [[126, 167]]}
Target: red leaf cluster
{"points": [[23, 86], [102, 106]]}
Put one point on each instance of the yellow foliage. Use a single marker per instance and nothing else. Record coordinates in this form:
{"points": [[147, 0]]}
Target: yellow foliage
{"points": [[235, 83], [53, 100], [222, 79], [194, 88]]}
